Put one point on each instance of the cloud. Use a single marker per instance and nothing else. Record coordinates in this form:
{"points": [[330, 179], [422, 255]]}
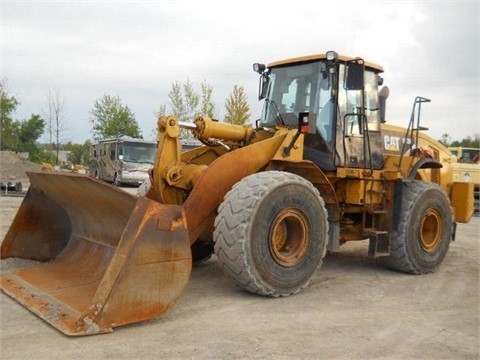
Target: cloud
{"points": [[137, 49]]}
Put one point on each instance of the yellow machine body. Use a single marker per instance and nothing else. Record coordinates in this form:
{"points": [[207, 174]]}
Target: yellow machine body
{"points": [[109, 258]]}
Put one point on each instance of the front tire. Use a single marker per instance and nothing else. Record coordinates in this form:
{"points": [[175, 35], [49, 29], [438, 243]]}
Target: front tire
{"points": [[116, 180], [424, 231], [271, 233], [201, 252]]}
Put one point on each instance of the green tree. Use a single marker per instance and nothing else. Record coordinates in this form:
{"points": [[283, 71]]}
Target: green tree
{"points": [[29, 132], [207, 106], [177, 102], [469, 141], [445, 140], [236, 106], [79, 153], [26, 133], [192, 101], [186, 103], [8, 127], [162, 110], [110, 118]]}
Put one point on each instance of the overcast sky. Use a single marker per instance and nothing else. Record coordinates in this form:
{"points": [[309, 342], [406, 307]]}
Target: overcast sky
{"points": [[137, 49]]}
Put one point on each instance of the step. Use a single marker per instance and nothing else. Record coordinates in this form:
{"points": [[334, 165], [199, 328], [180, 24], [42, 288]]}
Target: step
{"points": [[379, 244]]}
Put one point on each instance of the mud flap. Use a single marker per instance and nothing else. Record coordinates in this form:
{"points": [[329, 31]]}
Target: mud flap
{"points": [[113, 259]]}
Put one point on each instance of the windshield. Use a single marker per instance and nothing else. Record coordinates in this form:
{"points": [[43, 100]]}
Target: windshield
{"points": [[139, 153], [338, 112], [469, 156], [300, 88]]}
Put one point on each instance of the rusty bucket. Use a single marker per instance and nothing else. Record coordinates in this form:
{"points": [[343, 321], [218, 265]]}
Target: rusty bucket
{"points": [[107, 258]]}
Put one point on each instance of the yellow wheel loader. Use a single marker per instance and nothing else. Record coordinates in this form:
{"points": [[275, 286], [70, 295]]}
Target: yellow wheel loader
{"points": [[467, 169], [318, 169]]}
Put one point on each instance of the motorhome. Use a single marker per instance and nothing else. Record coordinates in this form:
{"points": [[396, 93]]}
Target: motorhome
{"points": [[122, 161]]}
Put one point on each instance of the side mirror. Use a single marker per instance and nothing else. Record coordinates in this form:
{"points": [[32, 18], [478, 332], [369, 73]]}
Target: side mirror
{"points": [[262, 91], [264, 76], [382, 102], [354, 77]]}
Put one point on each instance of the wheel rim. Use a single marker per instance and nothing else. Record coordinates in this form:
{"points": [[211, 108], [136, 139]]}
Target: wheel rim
{"points": [[289, 237], [431, 230]]}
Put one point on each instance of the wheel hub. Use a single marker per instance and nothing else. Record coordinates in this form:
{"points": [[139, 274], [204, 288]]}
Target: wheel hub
{"points": [[431, 230], [289, 237]]}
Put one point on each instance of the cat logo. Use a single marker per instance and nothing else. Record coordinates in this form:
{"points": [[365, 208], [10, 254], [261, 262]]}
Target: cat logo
{"points": [[467, 177], [391, 143]]}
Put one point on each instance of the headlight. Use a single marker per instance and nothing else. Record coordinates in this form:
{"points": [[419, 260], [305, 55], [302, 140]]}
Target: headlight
{"points": [[259, 68]]}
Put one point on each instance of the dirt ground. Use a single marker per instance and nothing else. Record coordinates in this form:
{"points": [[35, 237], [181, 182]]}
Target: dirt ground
{"points": [[13, 168], [353, 309]]}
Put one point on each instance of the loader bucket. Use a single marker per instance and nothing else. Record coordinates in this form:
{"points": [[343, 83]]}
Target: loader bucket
{"points": [[110, 259]]}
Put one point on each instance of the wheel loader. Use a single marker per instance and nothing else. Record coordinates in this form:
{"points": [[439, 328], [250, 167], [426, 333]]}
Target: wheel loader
{"points": [[467, 169], [319, 168]]}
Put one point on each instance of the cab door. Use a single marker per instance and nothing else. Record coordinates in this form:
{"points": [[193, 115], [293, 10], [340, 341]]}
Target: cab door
{"points": [[359, 142]]}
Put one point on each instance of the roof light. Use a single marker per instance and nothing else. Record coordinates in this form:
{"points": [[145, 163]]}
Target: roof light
{"points": [[332, 55]]}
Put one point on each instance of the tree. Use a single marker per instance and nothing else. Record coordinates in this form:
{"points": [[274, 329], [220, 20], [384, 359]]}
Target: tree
{"points": [[26, 133], [208, 106], [29, 131], [445, 140], [177, 102], [192, 101], [55, 114], [79, 154], [471, 142], [9, 130], [238, 110], [110, 118], [186, 104], [162, 111]]}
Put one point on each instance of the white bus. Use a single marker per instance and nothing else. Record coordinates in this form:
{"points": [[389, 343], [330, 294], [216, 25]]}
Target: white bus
{"points": [[122, 161]]}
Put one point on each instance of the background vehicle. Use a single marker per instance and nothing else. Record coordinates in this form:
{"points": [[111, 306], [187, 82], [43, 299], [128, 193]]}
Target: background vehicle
{"points": [[467, 169], [466, 155], [123, 160], [269, 200]]}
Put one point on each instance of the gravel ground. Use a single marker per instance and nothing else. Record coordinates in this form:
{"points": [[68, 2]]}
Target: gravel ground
{"points": [[353, 309]]}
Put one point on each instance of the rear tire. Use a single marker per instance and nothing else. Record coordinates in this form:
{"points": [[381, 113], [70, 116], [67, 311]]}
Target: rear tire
{"points": [[424, 230], [271, 233]]}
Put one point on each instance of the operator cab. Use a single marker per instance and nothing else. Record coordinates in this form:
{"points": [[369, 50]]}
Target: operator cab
{"points": [[339, 94]]}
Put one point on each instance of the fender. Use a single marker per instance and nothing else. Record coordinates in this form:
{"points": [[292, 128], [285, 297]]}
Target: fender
{"points": [[317, 177], [201, 204], [424, 163]]}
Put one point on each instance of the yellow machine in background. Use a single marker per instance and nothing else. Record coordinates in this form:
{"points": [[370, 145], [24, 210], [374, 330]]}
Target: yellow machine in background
{"points": [[467, 169], [318, 169]]}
